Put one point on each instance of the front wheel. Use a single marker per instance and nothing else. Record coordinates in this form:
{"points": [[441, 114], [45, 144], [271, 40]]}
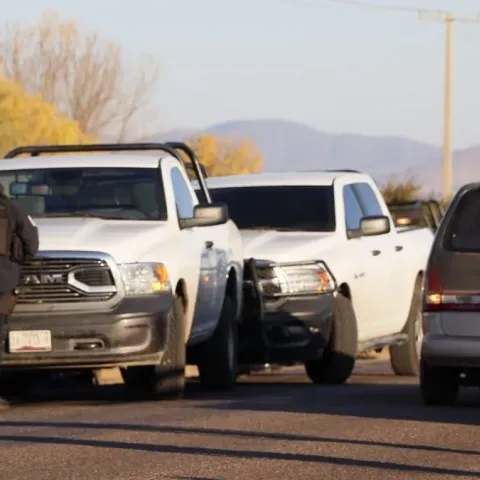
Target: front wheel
{"points": [[218, 356], [167, 379], [338, 360]]}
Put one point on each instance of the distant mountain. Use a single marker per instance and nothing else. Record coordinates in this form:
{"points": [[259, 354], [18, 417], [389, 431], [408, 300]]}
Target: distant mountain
{"points": [[290, 145], [177, 134]]}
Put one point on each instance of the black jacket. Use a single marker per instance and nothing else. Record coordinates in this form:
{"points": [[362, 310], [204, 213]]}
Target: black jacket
{"points": [[27, 233]]}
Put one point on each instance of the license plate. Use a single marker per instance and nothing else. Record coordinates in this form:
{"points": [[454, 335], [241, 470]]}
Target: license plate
{"points": [[30, 341]]}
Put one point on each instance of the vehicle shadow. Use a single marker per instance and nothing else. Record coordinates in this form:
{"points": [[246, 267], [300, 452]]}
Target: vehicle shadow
{"points": [[391, 401], [361, 399], [366, 395], [368, 399]]}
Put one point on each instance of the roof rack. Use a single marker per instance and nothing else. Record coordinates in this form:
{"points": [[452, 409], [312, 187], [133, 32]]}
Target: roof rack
{"points": [[171, 148]]}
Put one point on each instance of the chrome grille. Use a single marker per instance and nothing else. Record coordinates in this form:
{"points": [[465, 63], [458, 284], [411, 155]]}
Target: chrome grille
{"points": [[65, 280]]}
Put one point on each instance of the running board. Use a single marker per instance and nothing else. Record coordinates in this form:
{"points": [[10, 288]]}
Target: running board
{"points": [[397, 339]]}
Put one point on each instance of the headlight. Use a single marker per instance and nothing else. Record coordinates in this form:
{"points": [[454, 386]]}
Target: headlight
{"points": [[294, 279], [144, 278]]}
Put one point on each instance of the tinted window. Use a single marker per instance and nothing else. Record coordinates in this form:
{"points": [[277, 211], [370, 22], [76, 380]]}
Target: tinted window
{"points": [[463, 233], [367, 199], [123, 193], [295, 208], [353, 212], [183, 197]]}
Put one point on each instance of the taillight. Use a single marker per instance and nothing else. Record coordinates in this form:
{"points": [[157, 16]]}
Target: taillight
{"points": [[436, 299]]}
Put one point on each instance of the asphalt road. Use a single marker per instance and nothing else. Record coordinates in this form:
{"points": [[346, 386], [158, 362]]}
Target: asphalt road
{"points": [[274, 427]]}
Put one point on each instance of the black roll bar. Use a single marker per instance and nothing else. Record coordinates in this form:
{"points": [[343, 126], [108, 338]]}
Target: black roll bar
{"points": [[171, 148]]}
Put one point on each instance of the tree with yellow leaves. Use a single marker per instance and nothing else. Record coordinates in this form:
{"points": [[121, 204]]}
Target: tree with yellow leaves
{"points": [[224, 156], [86, 76], [29, 120]]}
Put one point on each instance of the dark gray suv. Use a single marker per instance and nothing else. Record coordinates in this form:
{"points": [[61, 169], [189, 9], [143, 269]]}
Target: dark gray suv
{"points": [[450, 355]]}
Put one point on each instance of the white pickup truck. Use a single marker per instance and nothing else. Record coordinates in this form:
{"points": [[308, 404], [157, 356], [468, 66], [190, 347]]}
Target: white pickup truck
{"points": [[338, 218], [132, 271]]}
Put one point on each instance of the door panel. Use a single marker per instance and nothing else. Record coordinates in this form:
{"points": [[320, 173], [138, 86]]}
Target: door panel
{"points": [[198, 286], [356, 249], [214, 273]]}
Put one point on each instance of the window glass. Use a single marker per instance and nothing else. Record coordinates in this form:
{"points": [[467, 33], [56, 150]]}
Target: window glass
{"points": [[463, 232], [183, 197], [282, 207], [353, 211], [368, 200], [121, 193]]}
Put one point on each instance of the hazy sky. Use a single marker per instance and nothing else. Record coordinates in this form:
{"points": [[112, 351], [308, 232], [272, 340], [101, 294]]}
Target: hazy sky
{"points": [[336, 68]]}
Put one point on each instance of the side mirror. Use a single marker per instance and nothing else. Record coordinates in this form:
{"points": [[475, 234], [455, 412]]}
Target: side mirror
{"points": [[206, 216], [374, 225]]}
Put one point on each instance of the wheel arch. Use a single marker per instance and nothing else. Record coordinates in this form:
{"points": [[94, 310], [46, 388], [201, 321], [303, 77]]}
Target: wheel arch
{"points": [[233, 289], [181, 291], [344, 289]]}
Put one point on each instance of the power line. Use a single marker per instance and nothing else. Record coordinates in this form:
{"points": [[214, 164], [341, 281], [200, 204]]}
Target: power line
{"points": [[449, 19], [374, 6], [367, 4], [364, 4]]}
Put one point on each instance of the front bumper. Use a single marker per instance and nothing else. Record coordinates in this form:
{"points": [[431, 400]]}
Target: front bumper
{"points": [[298, 328], [288, 330], [445, 351], [133, 333]]}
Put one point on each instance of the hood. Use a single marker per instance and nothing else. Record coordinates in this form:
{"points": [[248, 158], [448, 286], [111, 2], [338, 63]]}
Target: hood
{"points": [[126, 241], [285, 246]]}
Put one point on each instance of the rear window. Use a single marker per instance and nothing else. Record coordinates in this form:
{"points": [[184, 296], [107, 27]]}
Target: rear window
{"points": [[463, 232]]}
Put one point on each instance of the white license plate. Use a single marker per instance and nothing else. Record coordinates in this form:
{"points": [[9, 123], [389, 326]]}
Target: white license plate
{"points": [[30, 341]]}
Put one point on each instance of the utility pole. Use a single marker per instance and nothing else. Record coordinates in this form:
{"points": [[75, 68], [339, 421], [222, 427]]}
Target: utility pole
{"points": [[448, 19]]}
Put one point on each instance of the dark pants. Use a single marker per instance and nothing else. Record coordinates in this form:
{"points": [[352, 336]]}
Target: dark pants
{"points": [[7, 304]]}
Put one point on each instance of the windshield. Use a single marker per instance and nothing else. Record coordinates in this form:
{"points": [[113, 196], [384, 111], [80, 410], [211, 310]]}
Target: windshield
{"points": [[290, 208], [110, 193]]}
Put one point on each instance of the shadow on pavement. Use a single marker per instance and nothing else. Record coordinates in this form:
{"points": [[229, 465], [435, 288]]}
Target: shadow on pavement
{"points": [[379, 400], [227, 433], [247, 454]]}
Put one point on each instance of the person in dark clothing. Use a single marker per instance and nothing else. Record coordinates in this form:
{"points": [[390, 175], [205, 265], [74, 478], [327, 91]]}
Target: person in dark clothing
{"points": [[22, 244]]}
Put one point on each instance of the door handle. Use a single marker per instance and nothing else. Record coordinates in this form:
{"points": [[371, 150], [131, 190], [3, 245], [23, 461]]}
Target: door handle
{"points": [[376, 252], [209, 244], [398, 248]]}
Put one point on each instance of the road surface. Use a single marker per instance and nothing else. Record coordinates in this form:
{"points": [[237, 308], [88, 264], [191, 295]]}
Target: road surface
{"points": [[274, 427]]}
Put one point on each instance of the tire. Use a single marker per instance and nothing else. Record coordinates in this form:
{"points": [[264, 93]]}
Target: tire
{"points": [[338, 360], [16, 385], [166, 380], [439, 385], [405, 359], [218, 356]]}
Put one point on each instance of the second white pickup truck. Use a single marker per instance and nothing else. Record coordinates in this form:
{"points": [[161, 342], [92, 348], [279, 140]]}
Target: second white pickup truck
{"points": [[338, 218]]}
